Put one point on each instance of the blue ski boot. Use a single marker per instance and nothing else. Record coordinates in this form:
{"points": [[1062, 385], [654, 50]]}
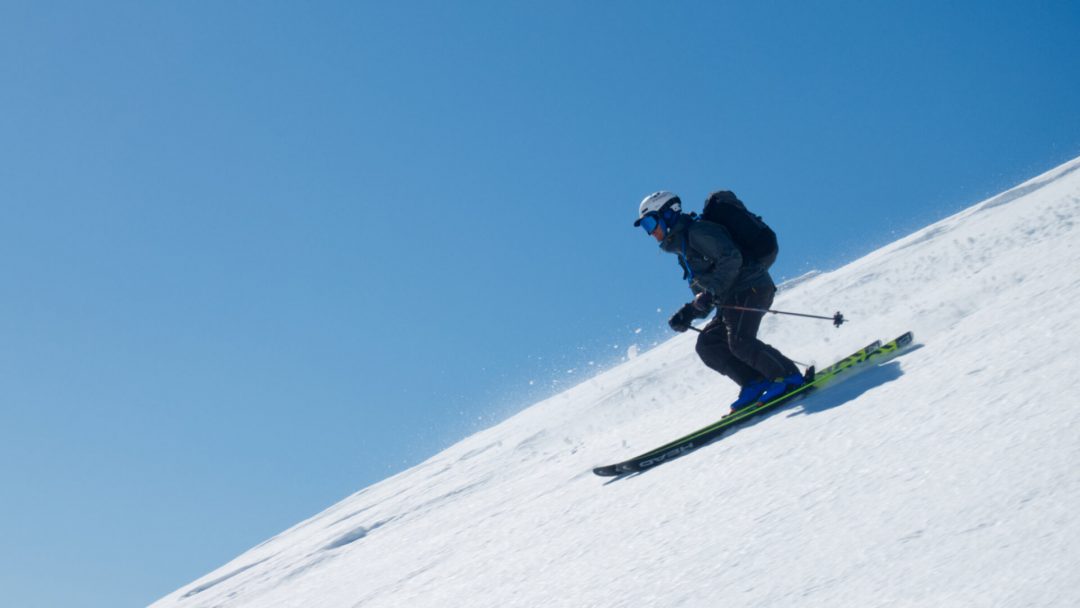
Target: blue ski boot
{"points": [[750, 394], [780, 386]]}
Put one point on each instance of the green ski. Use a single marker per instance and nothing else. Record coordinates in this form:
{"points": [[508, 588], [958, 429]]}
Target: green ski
{"points": [[843, 369]]}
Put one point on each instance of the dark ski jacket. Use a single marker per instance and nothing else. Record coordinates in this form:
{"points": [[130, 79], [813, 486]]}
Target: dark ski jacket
{"points": [[712, 262]]}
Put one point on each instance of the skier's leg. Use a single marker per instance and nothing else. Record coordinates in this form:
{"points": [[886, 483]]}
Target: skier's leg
{"points": [[713, 348], [743, 343]]}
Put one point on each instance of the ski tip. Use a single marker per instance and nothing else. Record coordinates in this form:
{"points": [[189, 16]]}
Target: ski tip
{"points": [[606, 471]]}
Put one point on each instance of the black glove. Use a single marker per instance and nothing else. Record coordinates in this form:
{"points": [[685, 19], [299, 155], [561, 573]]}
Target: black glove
{"points": [[681, 320]]}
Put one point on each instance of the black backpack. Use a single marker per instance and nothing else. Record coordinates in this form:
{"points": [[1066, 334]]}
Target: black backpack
{"points": [[750, 233]]}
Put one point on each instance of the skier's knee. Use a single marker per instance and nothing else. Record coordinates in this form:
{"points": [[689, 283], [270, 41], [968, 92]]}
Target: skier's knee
{"points": [[711, 355], [701, 346]]}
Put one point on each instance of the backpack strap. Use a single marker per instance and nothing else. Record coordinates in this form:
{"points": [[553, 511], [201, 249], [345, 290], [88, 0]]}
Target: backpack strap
{"points": [[688, 274]]}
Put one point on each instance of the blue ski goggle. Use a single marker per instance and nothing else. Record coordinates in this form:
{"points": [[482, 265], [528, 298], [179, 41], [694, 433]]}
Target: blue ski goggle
{"points": [[650, 222]]}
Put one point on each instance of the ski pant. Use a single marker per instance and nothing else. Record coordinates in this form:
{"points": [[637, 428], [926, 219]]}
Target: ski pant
{"points": [[729, 343]]}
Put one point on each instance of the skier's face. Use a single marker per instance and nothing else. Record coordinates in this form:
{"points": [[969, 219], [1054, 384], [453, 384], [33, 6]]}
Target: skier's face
{"points": [[653, 225], [658, 234]]}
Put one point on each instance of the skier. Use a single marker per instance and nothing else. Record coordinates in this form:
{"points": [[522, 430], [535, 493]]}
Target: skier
{"points": [[720, 275]]}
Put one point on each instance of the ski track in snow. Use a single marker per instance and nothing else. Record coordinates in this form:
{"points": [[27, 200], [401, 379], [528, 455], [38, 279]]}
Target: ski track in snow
{"points": [[947, 477]]}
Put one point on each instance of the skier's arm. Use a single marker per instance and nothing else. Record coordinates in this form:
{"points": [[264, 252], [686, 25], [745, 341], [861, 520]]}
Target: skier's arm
{"points": [[725, 260]]}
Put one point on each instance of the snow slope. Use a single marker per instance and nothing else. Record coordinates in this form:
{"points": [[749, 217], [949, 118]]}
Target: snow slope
{"points": [[948, 477]]}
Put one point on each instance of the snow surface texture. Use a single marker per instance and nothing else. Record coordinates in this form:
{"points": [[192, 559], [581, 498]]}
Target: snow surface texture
{"points": [[947, 477]]}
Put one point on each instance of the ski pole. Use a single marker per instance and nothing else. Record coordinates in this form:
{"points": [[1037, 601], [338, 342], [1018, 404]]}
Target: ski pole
{"points": [[837, 319]]}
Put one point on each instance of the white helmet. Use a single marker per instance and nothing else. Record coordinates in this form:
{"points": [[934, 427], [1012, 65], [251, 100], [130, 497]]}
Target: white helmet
{"points": [[658, 202]]}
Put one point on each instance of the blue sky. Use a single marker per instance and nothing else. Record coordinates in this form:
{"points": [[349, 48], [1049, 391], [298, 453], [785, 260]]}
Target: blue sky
{"points": [[259, 255]]}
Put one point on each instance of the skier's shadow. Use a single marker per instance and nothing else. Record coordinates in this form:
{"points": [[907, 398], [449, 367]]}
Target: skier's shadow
{"points": [[846, 392]]}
